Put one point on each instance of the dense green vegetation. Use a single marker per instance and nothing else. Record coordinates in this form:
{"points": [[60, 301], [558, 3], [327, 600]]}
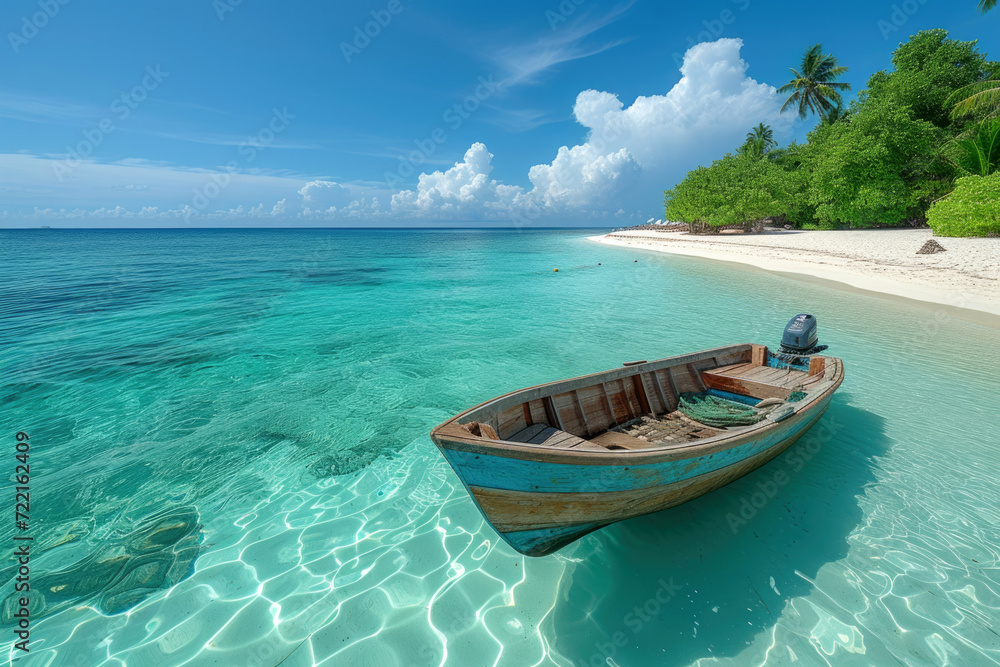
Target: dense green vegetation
{"points": [[734, 190], [913, 139], [972, 209]]}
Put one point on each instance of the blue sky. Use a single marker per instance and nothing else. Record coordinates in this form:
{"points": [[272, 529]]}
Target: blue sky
{"points": [[250, 113]]}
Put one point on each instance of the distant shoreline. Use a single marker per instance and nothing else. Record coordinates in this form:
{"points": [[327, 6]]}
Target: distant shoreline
{"points": [[965, 278]]}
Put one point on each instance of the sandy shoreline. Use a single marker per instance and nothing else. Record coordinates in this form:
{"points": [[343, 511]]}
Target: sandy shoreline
{"points": [[965, 277]]}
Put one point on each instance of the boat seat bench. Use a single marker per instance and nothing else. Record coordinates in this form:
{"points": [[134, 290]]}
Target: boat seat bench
{"points": [[541, 434], [758, 382], [616, 440]]}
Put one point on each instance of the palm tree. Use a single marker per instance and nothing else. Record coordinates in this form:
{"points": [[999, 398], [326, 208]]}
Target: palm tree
{"points": [[986, 5], [979, 153], [759, 141], [815, 88], [981, 96], [763, 136]]}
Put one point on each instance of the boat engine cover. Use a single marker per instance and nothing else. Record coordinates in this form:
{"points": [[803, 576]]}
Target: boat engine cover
{"points": [[801, 334]]}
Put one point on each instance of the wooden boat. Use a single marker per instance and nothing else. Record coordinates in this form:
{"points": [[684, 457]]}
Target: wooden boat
{"points": [[548, 464]]}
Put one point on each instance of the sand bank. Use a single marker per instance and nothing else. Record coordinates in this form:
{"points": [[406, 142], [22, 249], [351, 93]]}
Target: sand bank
{"points": [[967, 276]]}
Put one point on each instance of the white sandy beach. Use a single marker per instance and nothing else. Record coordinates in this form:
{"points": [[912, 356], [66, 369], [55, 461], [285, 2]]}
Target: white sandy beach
{"points": [[967, 276]]}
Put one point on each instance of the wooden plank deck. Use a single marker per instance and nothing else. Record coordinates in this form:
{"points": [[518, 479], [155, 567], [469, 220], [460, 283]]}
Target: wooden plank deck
{"points": [[780, 377], [644, 433]]}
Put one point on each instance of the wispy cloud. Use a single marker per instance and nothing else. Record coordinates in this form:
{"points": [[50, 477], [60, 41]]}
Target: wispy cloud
{"points": [[58, 111], [392, 153], [522, 120], [43, 110], [197, 107], [216, 139], [524, 63]]}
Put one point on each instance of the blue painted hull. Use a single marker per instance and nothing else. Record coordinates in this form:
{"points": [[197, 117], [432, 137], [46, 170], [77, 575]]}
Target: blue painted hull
{"points": [[605, 492]]}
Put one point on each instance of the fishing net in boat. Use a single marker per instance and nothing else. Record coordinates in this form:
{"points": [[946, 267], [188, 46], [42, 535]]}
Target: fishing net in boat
{"points": [[719, 412]]}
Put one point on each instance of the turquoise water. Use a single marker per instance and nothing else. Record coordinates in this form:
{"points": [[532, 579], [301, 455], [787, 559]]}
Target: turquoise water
{"points": [[230, 462]]}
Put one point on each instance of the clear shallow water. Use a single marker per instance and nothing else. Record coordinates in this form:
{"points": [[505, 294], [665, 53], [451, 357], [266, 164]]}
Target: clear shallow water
{"points": [[231, 466]]}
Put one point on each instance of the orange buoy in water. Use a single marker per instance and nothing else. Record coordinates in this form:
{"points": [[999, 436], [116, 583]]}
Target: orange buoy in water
{"points": [[555, 270]]}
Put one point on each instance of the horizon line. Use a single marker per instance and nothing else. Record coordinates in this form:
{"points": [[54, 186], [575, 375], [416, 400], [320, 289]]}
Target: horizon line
{"points": [[195, 229]]}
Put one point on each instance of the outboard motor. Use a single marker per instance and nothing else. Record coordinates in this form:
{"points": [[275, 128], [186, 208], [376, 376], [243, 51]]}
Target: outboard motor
{"points": [[800, 339]]}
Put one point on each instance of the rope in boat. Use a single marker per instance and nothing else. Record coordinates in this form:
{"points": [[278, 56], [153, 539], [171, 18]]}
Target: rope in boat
{"points": [[719, 412]]}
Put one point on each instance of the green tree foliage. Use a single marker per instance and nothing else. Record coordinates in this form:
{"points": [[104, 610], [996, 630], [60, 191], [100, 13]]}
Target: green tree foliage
{"points": [[972, 209], [986, 5], [874, 169], [734, 190], [815, 89], [929, 69]]}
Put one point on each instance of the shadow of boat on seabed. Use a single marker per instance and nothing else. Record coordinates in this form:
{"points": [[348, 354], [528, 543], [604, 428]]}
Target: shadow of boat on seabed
{"points": [[117, 575], [703, 579]]}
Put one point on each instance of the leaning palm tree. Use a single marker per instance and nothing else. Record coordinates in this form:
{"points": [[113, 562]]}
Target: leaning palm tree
{"points": [[815, 88], [986, 5]]}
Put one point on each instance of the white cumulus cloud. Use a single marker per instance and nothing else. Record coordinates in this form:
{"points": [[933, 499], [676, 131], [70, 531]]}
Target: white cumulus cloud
{"points": [[634, 153], [465, 191], [325, 197], [582, 177]]}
